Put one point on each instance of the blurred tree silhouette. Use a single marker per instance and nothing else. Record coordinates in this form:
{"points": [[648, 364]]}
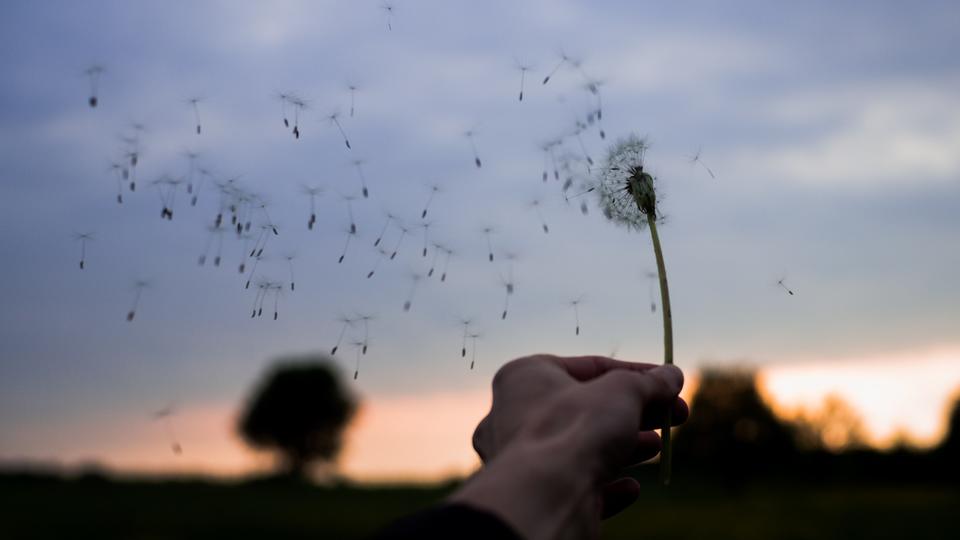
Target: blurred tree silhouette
{"points": [[731, 429], [951, 442], [299, 410], [835, 427]]}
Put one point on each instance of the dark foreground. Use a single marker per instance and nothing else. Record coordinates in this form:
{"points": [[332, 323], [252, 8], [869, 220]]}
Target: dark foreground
{"points": [[94, 506]]}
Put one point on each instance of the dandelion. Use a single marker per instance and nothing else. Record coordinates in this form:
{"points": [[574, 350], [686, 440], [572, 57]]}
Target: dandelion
{"points": [[780, 283], [469, 134], [358, 163], [312, 192], [347, 323], [194, 103], [575, 304], [83, 238], [93, 74], [334, 119], [695, 158], [138, 287], [628, 197], [165, 415]]}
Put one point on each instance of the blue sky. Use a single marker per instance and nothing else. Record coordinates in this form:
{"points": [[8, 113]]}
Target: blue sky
{"points": [[833, 130]]}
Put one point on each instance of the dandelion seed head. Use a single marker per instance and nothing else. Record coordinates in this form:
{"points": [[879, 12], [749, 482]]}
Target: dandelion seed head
{"points": [[627, 194]]}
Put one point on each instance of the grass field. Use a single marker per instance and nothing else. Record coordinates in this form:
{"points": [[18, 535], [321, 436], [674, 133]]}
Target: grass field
{"points": [[97, 507]]}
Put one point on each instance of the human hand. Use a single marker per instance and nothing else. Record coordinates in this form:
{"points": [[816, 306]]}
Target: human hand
{"points": [[559, 432]]}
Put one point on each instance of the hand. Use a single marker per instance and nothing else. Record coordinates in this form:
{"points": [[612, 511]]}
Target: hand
{"points": [[559, 432]]}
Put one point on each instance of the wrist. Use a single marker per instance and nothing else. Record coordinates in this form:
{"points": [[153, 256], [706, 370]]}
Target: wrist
{"points": [[536, 488]]}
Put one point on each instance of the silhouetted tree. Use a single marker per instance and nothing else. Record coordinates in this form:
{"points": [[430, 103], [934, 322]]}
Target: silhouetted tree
{"points": [[731, 429], [299, 410], [951, 442]]}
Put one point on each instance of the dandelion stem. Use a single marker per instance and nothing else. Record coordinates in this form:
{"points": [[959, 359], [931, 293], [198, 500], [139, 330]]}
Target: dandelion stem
{"points": [[666, 452]]}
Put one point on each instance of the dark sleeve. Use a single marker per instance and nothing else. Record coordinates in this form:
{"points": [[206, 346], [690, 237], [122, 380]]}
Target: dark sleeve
{"points": [[449, 521]]}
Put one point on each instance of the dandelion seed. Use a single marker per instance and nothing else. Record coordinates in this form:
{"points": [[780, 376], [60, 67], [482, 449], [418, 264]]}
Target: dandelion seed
{"points": [[564, 59], [388, 8], [353, 92], [277, 289], [783, 286], [214, 232], [263, 208], [651, 279], [83, 238], [473, 351], [290, 257], [139, 286], [358, 346], [284, 99], [382, 255], [396, 247], [469, 134], [358, 163], [426, 236], [299, 105], [415, 278], [167, 189], [486, 234], [628, 197], [204, 175], [347, 323], [165, 416], [348, 199], [508, 286], [245, 243], [576, 312], [466, 329], [448, 253], [253, 269], [580, 128], [593, 86], [194, 103], [122, 175], [434, 189], [523, 68], [334, 119], [390, 219], [437, 250], [261, 290], [93, 74], [191, 169], [365, 319], [535, 204], [695, 158], [312, 193], [350, 232]]}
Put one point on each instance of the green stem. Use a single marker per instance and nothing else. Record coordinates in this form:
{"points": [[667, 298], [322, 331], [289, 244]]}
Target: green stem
{"points": [[666, 453]]}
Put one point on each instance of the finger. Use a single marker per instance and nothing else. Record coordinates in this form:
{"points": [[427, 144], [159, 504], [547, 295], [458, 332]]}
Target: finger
{"points": [[618, 495], [655, 413], [584, 368], [648, 446], [661, 384], [480, 439]]}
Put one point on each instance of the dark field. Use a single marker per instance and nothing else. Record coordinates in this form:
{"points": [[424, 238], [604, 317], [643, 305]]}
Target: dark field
{"points": [[94, 506]]}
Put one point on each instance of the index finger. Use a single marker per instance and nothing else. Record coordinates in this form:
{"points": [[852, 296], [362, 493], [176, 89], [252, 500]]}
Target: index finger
{"points": [[585, 368]]}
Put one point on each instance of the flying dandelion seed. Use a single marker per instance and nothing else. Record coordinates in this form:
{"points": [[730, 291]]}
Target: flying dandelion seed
{"points": [[365, 319], [348, 200], [382, 254], [312, 192], [284, 100], [167, 189], [298, 105], [83, 238], [138, 287], [564, 59], [359, 346], [580, 127], [593, 86], [213, 233], [204, 175], [358, 164], [93, 74], [535, 204], [486, 233], [191, 169], [508, 285], [347, 323], [388, 8], [575, 304], [780, 283], [415, 282], [390, 219], [194, 103], [245, 244], [434, 189], [695, 158], [289, 258], [350, 233], [448, 253], [334, 119], [473, 349], [277, 289], [628, 197], [523, 68], [466, 329], [426, 236], [437, 250], [353, 95], [165, 416], [253, 269], [263, 208], [651, 279], [473, 146], [396, 247], [257, 300], [122, 175]]}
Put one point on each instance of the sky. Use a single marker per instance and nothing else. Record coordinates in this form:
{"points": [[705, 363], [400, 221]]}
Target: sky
{"points": [[832, 132]]}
